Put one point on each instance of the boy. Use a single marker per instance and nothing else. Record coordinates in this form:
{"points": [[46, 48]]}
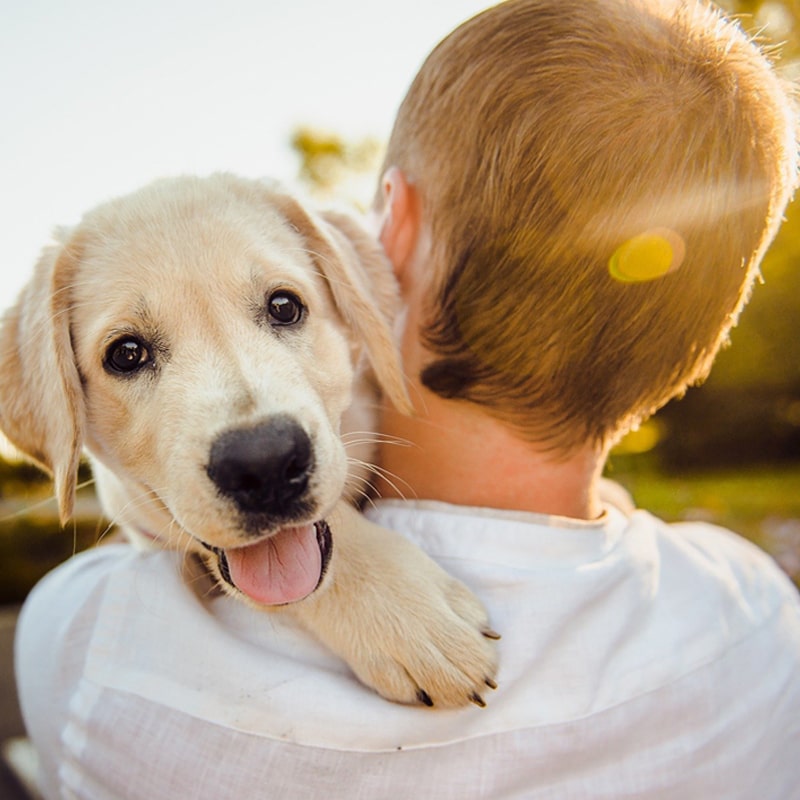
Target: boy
{"points": [[576, 201]]}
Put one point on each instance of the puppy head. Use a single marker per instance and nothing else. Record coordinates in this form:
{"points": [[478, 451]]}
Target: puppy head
{"points": [[174, 329]]}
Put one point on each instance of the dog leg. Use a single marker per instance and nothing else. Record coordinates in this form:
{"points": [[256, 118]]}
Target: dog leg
{"points": [[405, 627]]}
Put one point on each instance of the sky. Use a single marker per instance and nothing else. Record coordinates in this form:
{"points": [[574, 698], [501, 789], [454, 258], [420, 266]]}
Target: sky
{"points": [[99, 97]]}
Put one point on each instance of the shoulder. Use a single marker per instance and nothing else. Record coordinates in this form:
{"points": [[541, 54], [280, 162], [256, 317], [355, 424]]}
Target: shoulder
{"points": [[53, 637], [653, 601], [70, 590], [59, 617], [139, 627], [717, 605], [724, 563]]}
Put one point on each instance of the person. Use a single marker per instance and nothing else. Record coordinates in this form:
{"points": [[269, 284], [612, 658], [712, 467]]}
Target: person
{"points": [[576, 198]]}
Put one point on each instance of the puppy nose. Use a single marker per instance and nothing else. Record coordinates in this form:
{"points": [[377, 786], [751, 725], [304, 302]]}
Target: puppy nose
{"points": [[263, 469]]}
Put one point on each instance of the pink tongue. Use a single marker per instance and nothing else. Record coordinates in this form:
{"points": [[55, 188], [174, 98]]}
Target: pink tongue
{"points": [[283, 568]]}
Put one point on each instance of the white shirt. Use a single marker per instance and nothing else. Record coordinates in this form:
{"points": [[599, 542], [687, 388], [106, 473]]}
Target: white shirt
{"points": [[638, 659]]}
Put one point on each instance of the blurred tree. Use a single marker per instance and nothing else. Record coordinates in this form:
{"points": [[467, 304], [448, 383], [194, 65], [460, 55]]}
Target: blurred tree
{"points": [[331, 167]]}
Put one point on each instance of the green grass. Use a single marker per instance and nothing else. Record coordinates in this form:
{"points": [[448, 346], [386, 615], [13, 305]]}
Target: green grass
{"points": [[737, 500]]}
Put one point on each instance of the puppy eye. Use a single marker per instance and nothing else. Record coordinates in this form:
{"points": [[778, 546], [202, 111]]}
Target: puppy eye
{"points": [[284, 308], [126, 356]]}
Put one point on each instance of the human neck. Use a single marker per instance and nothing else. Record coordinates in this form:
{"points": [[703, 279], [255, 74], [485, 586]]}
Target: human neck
{"points": [[457, 454]]}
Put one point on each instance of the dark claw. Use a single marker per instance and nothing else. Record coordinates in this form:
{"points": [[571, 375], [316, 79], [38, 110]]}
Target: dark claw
{"points": [[477, 699], [424, 697], [490, 683], [490, 634]]}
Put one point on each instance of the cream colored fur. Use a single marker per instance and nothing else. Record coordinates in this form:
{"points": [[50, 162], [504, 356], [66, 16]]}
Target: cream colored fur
{"points": [[188, 262]]}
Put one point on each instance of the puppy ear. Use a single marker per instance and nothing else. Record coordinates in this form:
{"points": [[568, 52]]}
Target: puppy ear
{"points": [[363, 287], [41, 400]]}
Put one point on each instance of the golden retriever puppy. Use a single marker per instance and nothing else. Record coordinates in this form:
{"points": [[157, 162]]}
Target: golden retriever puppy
{"points": [[209, 342]]}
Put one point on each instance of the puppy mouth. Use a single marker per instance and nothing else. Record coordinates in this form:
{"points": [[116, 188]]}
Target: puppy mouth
{"points": [[279, 569]]}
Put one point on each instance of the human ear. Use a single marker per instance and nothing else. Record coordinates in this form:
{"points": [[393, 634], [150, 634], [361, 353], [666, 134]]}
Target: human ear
{"points": [[399, 221]]}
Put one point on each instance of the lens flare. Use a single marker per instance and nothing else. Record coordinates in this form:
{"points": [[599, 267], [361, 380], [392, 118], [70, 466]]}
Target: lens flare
{"points": [[647, 256]]}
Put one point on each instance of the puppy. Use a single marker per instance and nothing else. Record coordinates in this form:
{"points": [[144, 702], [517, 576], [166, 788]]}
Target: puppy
{"points": [[210, 343]]}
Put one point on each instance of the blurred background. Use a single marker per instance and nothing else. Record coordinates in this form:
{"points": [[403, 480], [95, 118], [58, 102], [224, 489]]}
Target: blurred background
{"points": [[100, 97]]}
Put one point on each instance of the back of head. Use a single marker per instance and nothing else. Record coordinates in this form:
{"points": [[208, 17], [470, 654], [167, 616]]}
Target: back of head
{"points": [[560, 146]]}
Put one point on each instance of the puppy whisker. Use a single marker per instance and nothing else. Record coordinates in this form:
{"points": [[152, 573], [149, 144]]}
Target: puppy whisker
{"points": [[391, 478], [372, 437]]}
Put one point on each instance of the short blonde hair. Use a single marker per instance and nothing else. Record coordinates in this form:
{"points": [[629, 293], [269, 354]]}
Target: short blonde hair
{"points": [[541, 136]]}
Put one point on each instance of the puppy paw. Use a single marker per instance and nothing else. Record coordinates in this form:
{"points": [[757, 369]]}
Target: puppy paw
{"points": [[405, 627], [431, 644]]}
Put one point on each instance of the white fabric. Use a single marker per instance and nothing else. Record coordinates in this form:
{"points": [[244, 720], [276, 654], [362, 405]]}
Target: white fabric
{"points": [[638, 660]]}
